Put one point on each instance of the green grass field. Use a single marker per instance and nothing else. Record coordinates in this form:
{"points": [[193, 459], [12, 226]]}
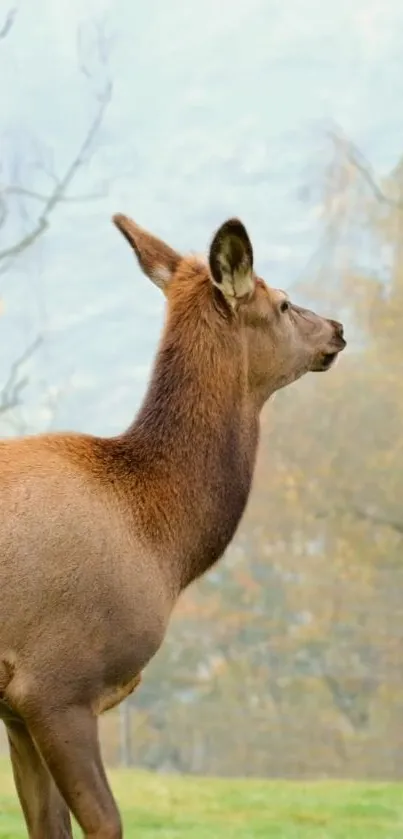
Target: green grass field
{"points": [[180, 808]]}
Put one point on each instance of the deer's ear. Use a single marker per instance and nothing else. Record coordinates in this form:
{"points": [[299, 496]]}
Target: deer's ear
{"points": [[158, 261], [231, 261]]}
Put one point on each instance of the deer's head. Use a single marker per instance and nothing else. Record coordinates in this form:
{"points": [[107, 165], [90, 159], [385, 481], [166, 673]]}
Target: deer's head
{"points": [[281, 341]]}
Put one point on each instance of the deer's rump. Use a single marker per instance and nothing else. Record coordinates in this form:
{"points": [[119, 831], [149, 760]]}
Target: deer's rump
{"points": [[81, 600]]}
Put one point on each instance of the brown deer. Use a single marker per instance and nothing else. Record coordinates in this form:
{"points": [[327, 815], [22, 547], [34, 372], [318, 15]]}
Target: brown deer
{"points": [[99, 536]]}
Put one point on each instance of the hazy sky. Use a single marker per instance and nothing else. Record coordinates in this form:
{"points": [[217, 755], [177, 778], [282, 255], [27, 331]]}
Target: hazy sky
{"points": [[218, 109]]}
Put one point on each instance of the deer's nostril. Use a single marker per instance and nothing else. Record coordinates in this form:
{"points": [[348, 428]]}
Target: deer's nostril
{"points": [[338, 328]]}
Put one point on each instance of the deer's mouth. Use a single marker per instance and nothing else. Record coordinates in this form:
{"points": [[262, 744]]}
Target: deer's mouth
{"points": [[327, 359]]}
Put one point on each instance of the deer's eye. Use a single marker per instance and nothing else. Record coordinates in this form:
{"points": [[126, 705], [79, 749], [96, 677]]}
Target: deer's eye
{"points": [[284, 306]]}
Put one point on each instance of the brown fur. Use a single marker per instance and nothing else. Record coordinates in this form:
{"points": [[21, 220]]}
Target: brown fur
{"points": [[100, 535]]}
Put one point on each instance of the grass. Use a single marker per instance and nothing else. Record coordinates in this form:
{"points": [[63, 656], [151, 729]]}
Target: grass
{"points": [[155, 807]]}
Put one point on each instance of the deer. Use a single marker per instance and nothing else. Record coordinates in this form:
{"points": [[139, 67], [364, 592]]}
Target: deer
{"points": [[100, 536]]}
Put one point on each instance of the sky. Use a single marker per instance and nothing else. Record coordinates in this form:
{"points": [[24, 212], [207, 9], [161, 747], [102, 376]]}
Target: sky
{"points": [[217, 109]]}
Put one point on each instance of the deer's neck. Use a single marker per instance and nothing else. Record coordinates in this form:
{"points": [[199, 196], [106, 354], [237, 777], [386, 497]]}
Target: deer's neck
{"points": [[193, 445]]}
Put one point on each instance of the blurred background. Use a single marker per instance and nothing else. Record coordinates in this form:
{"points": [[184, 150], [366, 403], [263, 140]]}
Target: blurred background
{"points": [[286, 659]]}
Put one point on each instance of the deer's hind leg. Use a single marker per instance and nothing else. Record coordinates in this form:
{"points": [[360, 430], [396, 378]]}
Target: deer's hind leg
{"points": [[67, 738], [46, 814]]}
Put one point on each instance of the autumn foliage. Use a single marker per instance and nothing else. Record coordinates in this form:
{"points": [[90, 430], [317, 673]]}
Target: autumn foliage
{"points": [[287, 659]]}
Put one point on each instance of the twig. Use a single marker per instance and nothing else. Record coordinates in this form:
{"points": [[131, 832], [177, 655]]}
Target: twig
{"points": [[10, 396], [8, 23], [357, 159], [364, 515], [37, 196], [58, 194], [373, 517]]}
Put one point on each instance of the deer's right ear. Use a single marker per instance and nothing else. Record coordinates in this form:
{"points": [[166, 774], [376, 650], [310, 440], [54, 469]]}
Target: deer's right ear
{"points": [[231, 261], [158, 261]]}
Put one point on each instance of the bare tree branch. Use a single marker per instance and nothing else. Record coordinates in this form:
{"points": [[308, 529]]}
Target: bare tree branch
{"points": [[364, 515], [58, 195], [38, 196], [363, 166], [376, 519], [10, 396], [8, 23]]}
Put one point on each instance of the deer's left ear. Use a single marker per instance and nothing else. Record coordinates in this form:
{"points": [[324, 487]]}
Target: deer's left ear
{"points": [[157, 260], [231, 261]]}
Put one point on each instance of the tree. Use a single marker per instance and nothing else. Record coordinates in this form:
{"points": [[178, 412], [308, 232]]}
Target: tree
{"points": [[36, 203], [286, 659]]}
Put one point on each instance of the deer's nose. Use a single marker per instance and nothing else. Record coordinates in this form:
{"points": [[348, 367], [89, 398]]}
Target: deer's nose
{"points": [[338, 328]]}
